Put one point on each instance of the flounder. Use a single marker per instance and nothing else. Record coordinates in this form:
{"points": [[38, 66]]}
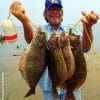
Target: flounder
{"points": [[56, 65], [67, 54], [33, 61], [80, 74]]}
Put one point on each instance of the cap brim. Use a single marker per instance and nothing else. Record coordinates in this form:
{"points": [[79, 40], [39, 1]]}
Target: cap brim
{"points": [[53, 5]]}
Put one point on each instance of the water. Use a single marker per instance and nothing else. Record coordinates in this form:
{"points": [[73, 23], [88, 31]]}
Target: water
{"points": [[16, 48]]}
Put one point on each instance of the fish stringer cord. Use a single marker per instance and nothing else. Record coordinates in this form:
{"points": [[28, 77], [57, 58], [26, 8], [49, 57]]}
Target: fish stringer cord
{"points": [[92, 45]]}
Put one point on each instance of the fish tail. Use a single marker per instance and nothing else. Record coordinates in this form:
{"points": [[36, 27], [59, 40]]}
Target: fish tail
{"points": [[54, 92], [30, 92], [69, 96]]}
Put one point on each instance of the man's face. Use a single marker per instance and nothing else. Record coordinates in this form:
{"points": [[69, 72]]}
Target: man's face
{"points": [[54, 15]]}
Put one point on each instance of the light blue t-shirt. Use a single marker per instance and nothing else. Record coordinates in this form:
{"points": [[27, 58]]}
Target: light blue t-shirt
{"points": [[45, 82]]}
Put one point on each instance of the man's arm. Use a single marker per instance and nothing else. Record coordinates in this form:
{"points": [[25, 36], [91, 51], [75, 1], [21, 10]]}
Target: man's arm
{"points": [[87, 38], [88, 22], [28, 31], [18, 11]]}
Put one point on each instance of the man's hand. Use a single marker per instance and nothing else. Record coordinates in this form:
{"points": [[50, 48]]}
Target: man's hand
{"points": [[18, 11], [90, 19]]}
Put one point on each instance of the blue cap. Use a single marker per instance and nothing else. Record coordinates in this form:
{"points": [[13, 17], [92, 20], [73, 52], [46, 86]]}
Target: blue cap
{"points": [[49, 3]]}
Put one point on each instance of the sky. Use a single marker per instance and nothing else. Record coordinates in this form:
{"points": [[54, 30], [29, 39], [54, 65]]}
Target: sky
{"points": [[34, 8]]}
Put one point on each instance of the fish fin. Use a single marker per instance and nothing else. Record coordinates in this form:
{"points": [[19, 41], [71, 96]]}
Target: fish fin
{"points": [[69, 96], [30, 92]]}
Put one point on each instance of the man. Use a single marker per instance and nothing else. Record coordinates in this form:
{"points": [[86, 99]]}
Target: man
{"points": [[53, 14]]}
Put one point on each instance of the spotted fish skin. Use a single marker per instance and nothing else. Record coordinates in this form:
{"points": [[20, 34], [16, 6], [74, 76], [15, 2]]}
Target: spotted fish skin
{"points": [[80, 74], [22, 61], [67, 54], [35, 62], [56, 64]]}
